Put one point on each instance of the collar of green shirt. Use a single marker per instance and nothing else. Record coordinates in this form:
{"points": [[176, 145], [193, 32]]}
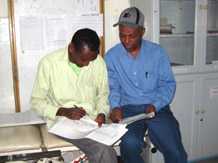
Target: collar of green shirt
{"points": [[75, 68]]}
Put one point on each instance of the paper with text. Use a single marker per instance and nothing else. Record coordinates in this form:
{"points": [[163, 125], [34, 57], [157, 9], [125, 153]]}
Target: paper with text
{"points": [[138, 117], [86, 128]]}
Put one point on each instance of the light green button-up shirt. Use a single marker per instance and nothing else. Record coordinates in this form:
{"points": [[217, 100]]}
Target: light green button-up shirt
{"points": [[57, 85]]}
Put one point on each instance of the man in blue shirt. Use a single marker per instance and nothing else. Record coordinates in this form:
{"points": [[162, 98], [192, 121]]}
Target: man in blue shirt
{"points": [[141, 80]]}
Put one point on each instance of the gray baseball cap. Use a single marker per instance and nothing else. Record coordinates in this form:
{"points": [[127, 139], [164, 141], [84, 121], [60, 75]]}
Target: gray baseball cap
{"points": [[131, 17]]}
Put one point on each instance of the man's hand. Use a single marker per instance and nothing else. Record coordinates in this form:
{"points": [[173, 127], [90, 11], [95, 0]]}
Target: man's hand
{"points": [[150, 108], [74, 113], [116, 115], [100, 119]]}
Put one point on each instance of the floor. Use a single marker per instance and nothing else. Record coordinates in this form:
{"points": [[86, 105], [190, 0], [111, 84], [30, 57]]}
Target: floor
{"points": [[205, 161], [209, 161]]}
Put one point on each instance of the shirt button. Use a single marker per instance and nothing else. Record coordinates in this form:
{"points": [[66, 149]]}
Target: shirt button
{"points": [[134, 73], [136, 84]]}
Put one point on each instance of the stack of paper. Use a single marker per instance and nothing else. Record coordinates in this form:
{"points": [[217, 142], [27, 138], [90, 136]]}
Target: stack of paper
{"points": [[107, 134], [86, 128], [138, 117]]}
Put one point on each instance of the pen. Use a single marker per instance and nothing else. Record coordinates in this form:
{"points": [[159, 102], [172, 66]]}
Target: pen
{"points": [[76, 107], [146, 75]]}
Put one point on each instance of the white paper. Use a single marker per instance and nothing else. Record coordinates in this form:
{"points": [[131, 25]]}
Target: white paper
{"points": [[56, 32], [86, 128], [57, 7], [87, 7], [138, 117], [94, 22], [22, 118], [31, 34], [108, 133], [4, 30], [73, 129]]}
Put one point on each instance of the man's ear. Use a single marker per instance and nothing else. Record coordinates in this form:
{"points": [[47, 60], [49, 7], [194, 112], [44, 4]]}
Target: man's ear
{"points": [[71, 47], [142, 31]]}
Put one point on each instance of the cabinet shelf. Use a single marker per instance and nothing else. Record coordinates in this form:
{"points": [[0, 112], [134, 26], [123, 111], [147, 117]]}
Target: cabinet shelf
{"points": [[212, 34], [177, 35]]}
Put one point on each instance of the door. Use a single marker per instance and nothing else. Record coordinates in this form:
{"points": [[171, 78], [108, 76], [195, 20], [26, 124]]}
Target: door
{"points": [[209, 112], [185, 108]]}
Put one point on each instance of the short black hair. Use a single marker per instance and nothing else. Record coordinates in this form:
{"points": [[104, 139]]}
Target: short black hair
{"points": [[86, 37]]}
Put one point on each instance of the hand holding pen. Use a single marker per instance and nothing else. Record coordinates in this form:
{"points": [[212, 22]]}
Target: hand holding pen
{"points": [[100, 119], [74, 113]]}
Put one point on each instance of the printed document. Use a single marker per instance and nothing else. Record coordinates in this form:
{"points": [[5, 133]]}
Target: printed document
{"points": [[138, 117], [107, 134], [87, 128]]}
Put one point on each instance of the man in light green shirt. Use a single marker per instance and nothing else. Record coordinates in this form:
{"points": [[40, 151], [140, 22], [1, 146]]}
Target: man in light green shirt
{"points": [[73, 82]]}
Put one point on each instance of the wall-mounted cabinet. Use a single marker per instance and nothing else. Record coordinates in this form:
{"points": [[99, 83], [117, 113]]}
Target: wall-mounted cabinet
{"points": [[188, 30], [177, 28], [212, 32]]}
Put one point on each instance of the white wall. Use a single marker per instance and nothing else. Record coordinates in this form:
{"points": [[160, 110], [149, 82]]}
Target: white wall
{"points": [[3, 8], [6, 84], [113, 8]]}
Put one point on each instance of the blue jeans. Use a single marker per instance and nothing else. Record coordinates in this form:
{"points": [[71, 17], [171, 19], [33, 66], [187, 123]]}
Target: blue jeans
{"points": [[163, 132]]}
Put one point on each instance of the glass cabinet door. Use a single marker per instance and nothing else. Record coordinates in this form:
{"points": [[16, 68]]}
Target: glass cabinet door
{"points": [[212, 32], [177, 19]]}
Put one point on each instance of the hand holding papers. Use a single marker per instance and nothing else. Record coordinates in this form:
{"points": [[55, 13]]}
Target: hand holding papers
{"points": [[86, 128]]}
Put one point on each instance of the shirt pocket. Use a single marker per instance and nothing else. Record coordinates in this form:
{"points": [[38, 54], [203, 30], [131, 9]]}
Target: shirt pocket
{"points": [[149, 81]]}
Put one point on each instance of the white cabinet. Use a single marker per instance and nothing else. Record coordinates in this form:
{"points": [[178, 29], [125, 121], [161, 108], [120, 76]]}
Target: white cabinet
{"points": [[196, 108], [208, 115], [184, 107], [177, 30], [188, 30]]}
